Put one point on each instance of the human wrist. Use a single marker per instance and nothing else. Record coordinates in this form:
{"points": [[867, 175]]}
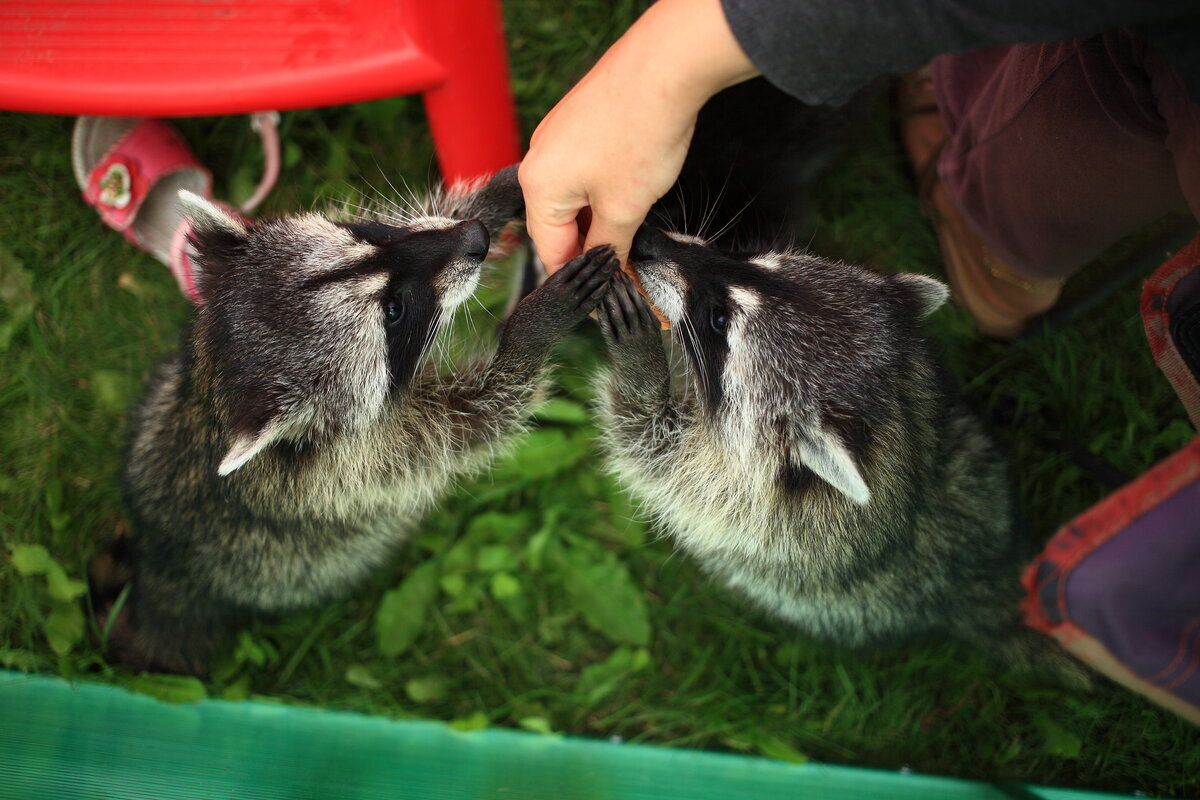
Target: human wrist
{"points": [[685, 52]]}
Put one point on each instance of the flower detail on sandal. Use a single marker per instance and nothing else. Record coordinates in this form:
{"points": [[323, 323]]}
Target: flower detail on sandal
{"points": [[115, 186]]}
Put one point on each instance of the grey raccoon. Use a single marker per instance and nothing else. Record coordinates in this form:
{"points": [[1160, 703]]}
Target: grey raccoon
{"points": [[817, 465], [298, 437]]}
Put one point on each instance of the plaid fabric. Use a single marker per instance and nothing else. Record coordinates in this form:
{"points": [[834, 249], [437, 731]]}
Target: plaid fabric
{"points": [[1117, 586]]}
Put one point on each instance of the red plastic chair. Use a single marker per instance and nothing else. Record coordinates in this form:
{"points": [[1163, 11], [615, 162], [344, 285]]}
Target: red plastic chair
{"points": [[168, 58]]}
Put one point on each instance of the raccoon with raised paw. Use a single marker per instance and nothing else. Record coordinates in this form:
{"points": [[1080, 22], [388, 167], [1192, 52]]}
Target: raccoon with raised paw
{"points": [[295, 441], [816, 463]]}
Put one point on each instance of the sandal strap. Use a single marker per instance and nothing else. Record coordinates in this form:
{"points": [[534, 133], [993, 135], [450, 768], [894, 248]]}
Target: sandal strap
{"points": [[266, 124], [179, 261]]}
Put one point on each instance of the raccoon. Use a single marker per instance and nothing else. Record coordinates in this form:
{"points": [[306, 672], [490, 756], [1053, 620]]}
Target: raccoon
{"points": [[295, 441], [816, 463]]}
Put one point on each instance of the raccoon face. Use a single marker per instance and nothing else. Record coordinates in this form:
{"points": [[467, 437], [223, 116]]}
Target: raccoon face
{"points": [[793, 357], [309, 325], [429, 272]]}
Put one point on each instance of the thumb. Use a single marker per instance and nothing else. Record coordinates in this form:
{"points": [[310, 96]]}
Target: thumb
{"points": [[617, 232], [550, 216], [556, 242]]}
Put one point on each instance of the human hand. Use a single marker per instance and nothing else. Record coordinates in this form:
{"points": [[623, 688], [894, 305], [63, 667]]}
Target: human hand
{"points": [[616, 142]]}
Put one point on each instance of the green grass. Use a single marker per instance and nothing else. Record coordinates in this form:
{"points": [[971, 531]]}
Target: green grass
{"points": [[503, 631]]}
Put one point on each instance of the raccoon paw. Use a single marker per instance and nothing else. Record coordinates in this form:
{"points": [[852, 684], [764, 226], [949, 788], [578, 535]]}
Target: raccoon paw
{"points": [[626, 319], [586, 278], [569, 295], [634, 337]]}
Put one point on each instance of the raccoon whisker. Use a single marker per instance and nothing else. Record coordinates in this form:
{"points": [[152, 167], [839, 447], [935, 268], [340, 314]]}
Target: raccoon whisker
{"points": [[352, 209], [361, 211], [683, 210], [390, 219], [711, 212], [688, 342], [440, 323], [691, 342], [486, 310], [700, 231], [424, 203], [471, 322], [392, 211], [661, 219], [391, 186], [427, 343], [399, 207], [733, 220], [680, 366], [441, 346], [377, 194]]}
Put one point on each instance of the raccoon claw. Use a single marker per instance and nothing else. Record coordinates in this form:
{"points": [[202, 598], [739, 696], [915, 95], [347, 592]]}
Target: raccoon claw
{"points": [[576, 289], [625, 316], [588, 275], [557, 306]]}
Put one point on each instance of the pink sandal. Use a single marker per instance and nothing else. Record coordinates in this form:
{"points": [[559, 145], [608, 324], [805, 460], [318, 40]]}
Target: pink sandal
{"points": [[131, 170]]}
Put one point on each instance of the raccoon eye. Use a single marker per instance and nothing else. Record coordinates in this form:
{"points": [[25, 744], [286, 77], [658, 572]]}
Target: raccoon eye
{"points": [[392, 310], [718, 320]]}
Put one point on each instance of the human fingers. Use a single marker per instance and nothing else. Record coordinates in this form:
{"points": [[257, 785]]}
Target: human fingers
{"points": [[615, 232], [550, 218]]}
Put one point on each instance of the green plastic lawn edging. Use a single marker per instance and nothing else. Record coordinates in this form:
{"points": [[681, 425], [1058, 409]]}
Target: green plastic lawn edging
{"points": [[80, 740]]}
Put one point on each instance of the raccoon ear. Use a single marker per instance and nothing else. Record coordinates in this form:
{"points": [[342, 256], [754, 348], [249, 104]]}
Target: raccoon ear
{"points": [[208, 217], [216, 236], [823, 451], [247, 445], [928, 293]]}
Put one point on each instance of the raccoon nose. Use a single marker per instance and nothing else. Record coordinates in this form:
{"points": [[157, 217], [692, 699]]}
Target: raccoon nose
{"points": [[476, 241], [647, 244]]}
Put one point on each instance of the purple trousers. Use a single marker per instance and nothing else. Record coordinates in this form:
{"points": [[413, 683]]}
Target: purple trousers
{"points": [[1058, 150]]}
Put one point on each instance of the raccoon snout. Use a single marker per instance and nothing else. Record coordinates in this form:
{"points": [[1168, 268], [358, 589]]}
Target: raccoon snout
{"points": [[647, 245], [476, 240]]}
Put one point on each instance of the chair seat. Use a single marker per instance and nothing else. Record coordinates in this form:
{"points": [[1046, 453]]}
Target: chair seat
{"points": [[181, 57], [174, 58]]}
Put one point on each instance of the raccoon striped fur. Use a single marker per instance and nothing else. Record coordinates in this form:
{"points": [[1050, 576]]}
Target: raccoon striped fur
{"points": [[816, 464], [299, 435]]}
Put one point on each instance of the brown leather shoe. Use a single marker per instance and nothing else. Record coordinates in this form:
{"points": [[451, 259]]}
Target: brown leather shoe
{"points": [[1001, 300]]}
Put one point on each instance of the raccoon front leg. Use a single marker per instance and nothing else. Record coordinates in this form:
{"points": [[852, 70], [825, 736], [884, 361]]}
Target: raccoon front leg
{"points": [[496, 203], [497, 399], [637, 398]]}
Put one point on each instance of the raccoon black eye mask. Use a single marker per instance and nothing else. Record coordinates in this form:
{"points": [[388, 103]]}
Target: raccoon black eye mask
{"points": [[298, 436], [816, 464]]}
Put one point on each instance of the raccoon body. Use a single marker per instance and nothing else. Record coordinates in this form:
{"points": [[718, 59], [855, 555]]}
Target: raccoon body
{"points": [[815, 462], [299, 435]]}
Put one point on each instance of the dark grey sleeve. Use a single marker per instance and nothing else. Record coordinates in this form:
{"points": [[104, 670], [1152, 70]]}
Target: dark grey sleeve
{"points": [[821, 51]]}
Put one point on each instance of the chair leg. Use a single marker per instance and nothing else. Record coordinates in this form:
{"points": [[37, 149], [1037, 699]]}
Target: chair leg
{"points": [[471, 115]]}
